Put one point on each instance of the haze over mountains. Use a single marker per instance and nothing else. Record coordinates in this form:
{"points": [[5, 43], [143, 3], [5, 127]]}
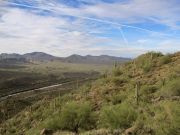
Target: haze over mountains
{"points": [[40, 56]]}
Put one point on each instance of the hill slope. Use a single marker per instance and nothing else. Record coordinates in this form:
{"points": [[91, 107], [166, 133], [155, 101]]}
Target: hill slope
{"points": [[141, 97]]}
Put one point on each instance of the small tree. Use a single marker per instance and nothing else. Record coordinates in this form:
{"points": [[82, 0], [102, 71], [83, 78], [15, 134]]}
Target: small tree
{"points": [[117, 116], [117, 71], [74, 116], [165, 59]]}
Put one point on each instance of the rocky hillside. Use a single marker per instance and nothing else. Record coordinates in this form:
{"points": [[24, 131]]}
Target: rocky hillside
{"points": [[141, 97]]}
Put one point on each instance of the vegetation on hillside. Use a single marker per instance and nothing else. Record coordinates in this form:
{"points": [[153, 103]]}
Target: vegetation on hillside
{"points": [[140, 97]]}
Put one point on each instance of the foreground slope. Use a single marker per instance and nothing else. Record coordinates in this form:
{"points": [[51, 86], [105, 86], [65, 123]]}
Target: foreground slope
{"points": [[141, 97]]}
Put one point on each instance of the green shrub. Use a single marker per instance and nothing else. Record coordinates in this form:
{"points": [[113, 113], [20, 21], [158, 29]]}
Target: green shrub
{"points": [[117, 116], [174, 75], [118, 98], [174, 129], [146, 92], [147, 66], [145, 62], [165, 59], [119, 80], [171, 110], [74, 116], [155, 54], [105, 74], [172, 88], [117, 71], [53, 122], [33, 131], [148, 89]]}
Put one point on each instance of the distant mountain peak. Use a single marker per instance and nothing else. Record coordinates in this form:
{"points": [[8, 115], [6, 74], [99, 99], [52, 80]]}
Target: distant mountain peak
{"points": [[37, 53], [102, 59], [39, 56], [74, 58]]}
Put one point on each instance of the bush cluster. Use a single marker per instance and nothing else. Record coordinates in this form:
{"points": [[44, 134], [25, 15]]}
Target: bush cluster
{"points": [[117, 116], [148, 89], [119, 80], [172, 88], [117, 71], [74, 116], [165, 59]]}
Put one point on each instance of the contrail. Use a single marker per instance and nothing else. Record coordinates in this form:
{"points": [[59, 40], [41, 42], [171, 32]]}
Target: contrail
{"points": [[89, 18], [123, 36]]}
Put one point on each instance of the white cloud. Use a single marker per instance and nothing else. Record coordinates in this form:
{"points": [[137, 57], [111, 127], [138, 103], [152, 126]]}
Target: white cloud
{"points": [[27, 30], [141, 41], [169, 45], [160, 11], [22, 32], [131, 11]]}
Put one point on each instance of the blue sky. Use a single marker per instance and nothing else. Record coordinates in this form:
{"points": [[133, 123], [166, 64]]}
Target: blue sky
{"points": [[114, 27]]}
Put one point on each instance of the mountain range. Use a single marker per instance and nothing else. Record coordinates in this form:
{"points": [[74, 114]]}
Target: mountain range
{"points": [[44, 57]]}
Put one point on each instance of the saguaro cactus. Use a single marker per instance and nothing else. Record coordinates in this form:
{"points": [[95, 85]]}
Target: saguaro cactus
{"points": [[115, 64], [137, 92], [163, 81], [134, 67]]}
